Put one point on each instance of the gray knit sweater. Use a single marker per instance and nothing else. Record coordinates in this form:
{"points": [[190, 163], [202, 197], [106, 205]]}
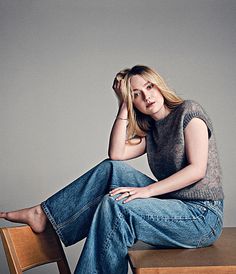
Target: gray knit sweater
{"points": [[166, 153]]}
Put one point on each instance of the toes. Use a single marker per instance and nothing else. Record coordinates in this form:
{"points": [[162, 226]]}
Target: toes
{"points": [[3, 214]]}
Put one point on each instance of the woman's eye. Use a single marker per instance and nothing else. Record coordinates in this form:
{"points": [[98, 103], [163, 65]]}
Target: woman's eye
{"points": [[136, 94], [150, 86]]}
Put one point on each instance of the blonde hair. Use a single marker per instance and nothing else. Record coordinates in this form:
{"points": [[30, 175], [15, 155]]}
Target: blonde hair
{"points": [[139, 123]]}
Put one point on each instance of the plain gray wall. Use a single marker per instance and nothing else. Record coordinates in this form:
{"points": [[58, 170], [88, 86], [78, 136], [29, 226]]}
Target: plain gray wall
{"points": [[57, 63]]}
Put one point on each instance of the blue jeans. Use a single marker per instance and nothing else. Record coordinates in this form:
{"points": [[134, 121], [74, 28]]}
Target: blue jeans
{"points": [[84, 209]]}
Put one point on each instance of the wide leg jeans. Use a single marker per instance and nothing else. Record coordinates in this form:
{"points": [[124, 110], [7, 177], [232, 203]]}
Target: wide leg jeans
{"points": [[84, 209]]}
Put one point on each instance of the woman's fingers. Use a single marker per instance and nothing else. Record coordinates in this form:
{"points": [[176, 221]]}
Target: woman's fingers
{"points": [[115, 82], [130, 193], [114, 86], [119, 190], [130, 198], [118, 85], [122, 196], [125, 192]]}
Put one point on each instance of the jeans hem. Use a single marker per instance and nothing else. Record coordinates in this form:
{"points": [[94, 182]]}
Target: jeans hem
{"points": [[53, 222]]}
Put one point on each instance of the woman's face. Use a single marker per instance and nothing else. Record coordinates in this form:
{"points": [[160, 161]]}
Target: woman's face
{"points": [[147, 98]]}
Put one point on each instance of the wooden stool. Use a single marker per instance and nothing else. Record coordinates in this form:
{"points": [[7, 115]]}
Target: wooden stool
{"points": [[219, 258]]}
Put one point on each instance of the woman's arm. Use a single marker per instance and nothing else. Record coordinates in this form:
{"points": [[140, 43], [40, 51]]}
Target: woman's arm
{"points": [[196, 140], [119, 148]]}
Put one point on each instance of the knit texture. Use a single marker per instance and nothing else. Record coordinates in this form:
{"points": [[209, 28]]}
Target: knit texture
{"points": [[166, 153]]}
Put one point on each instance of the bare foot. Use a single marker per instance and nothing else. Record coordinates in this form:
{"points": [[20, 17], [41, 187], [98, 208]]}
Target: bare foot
{"points": [[34, 217]]}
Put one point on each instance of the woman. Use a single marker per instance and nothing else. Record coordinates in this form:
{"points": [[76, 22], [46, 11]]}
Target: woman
{"points": [[114, 205]]}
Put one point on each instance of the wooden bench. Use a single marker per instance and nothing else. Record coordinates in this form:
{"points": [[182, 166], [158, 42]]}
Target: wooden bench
{"points": [[219, 258]]}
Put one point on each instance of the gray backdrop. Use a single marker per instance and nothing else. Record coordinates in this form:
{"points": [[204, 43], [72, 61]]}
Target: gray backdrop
{"points": [[57, 62]]}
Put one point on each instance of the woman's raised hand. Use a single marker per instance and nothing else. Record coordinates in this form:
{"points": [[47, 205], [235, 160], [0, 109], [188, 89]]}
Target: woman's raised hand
{"points": [[119, 88]]}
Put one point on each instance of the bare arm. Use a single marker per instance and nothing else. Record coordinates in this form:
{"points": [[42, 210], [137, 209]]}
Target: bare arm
{"points": [[196, 140], [119, 148]]}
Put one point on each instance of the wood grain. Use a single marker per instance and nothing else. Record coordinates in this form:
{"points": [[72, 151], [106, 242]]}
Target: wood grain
{"points": [[25, 249], [219, 258]]}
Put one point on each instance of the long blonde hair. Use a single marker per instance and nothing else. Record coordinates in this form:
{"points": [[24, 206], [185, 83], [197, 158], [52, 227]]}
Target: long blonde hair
{"points": [[139, 123]]}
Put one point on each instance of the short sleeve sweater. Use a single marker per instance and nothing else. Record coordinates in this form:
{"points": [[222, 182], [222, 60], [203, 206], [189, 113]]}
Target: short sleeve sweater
{"points": [[166, 153]]}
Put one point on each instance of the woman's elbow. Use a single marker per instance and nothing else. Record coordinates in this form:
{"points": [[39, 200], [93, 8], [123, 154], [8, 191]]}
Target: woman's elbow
{"points": [[115, 156], [200, 173]]}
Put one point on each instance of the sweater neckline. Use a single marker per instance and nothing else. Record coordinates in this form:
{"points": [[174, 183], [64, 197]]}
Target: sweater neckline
{"points": [[163, 120]]}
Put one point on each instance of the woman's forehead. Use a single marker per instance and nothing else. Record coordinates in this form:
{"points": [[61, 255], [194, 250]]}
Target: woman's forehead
{"points": [[138, 82]]}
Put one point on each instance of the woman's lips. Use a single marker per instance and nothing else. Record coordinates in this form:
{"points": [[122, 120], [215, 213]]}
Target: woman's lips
{"points": [[150, 104]]}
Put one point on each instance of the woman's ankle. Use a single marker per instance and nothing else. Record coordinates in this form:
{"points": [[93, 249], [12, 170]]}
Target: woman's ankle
{"points": [[34, 217]]}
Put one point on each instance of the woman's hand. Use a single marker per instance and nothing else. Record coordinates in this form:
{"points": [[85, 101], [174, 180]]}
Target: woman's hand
{"points": [[119, 88], [130, 193]]}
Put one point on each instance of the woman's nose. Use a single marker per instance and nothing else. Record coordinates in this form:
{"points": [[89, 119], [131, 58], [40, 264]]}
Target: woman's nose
{"points": [[146, 97]]}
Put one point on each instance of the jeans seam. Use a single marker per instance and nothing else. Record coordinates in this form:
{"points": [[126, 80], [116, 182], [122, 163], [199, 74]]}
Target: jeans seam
{"points": [[209, 234], [173, 218], [53, 222], [110, 235], [163, 218]]}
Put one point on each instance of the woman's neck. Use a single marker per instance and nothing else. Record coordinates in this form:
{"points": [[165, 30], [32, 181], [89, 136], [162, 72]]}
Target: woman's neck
{"points": [[162, 113]]}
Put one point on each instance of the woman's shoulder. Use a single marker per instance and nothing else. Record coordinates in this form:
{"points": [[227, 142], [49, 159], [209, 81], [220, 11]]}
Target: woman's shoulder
{"points": [[192, 109], [191, 105]]}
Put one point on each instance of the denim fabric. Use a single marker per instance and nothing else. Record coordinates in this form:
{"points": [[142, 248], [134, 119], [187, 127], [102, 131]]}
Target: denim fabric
{"points": [[84, 209]]}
